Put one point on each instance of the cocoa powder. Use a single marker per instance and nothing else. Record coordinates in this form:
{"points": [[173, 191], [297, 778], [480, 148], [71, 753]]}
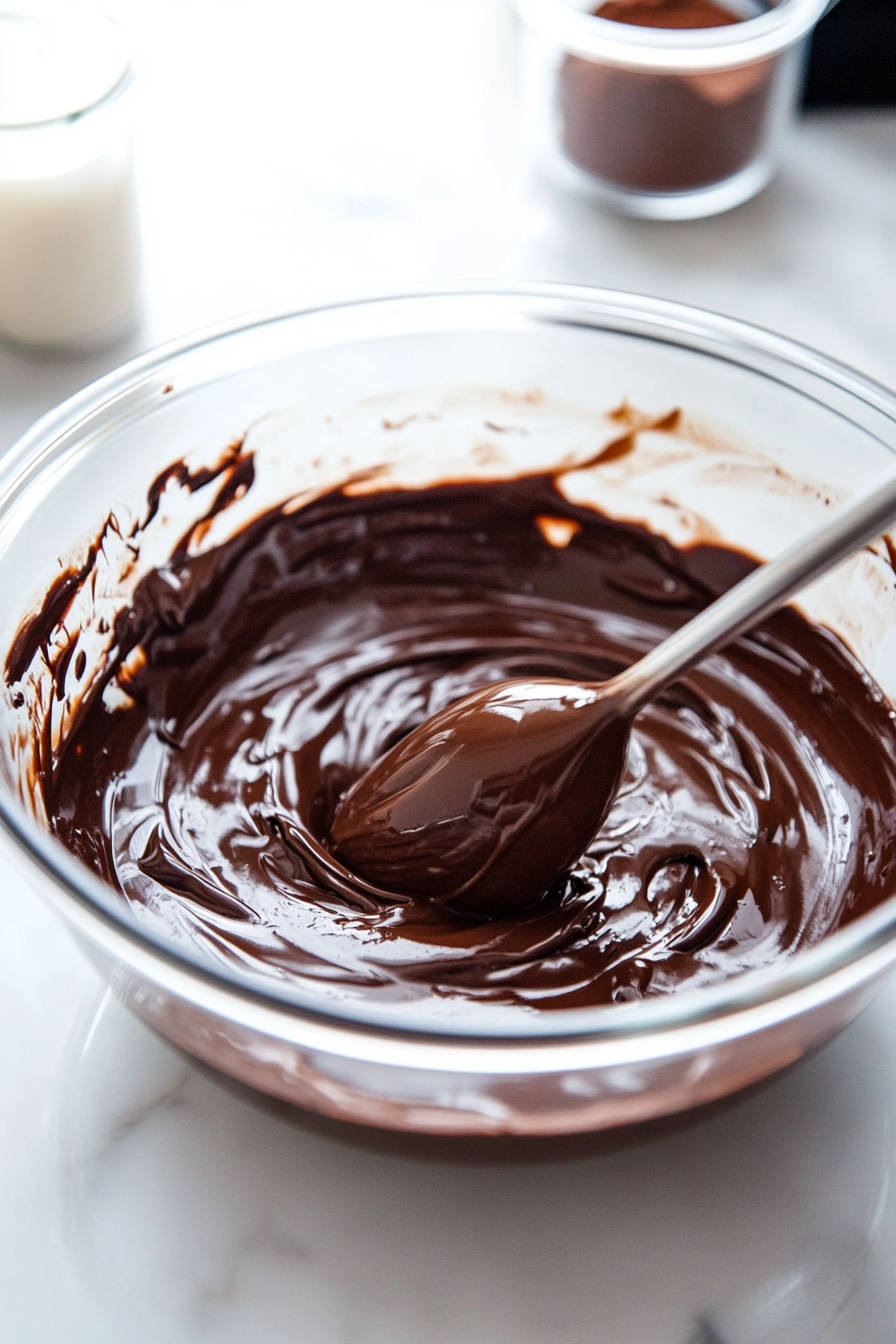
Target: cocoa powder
{"points": [[658, 132]]}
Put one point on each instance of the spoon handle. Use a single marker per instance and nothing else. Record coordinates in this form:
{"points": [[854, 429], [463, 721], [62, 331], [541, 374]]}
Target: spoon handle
{"points": [[757, 596]]}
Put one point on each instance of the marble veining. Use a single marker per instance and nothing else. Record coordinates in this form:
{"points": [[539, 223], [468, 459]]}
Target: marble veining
{"points": [[190, 1211]]}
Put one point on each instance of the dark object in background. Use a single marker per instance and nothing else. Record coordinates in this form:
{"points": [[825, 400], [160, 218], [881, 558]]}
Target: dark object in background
{"points": [[853, 57]]}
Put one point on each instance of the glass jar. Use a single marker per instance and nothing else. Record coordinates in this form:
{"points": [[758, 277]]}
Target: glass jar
{"points": [[663, 123], [69, 246]]}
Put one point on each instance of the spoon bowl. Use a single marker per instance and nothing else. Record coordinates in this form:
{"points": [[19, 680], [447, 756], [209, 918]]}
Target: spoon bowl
{"points": [[486, 805]]}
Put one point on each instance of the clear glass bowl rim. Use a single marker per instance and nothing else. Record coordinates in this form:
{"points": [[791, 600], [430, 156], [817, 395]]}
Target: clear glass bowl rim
{"points": [[718, 336], [673, 50]]}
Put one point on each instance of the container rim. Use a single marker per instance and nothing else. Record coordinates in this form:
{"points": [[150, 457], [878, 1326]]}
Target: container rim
{"points": [[869, 938], [118, 80], [673, 51]]}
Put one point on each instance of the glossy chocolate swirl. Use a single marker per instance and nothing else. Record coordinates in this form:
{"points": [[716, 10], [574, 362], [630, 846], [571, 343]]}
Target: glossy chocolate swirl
{"points": [[757, 811]]}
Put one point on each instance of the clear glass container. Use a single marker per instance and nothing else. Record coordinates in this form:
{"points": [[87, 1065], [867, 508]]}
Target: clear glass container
{"points": [[778, 434], [69, 239], [662, 123]]}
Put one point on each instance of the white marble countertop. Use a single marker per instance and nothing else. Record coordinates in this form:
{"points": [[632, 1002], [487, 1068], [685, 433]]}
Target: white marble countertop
{"points": [[286, 151]]}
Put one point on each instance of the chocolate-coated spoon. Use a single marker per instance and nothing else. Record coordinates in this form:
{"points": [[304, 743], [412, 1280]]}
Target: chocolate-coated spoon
{"points": [[487, 803]]}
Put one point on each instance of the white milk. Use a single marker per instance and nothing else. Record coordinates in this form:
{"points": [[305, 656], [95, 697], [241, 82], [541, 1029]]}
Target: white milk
{"points": [[69, 242], [69, 261]]}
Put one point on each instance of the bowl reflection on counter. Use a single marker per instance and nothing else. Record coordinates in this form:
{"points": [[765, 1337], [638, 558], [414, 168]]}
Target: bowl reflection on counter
{"points": [[774, 435], [758, 1223]]}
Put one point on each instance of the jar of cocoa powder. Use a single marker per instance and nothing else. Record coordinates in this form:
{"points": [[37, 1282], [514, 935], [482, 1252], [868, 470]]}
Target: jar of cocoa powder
{"points": [[666, 109]]}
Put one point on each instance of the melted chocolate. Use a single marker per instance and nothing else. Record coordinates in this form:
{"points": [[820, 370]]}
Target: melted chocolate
{"points": [[757, 811], [663, 132], [486, 802]]}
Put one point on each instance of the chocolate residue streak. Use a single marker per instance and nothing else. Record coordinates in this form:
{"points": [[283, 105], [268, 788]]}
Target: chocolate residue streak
{"points": [[505, 429], [233, 463], [408, 420], [34, 634], [624, 414], [615, 450], [60, 670], [756, 814], [627, 443], [670, 423], [891, 551]]}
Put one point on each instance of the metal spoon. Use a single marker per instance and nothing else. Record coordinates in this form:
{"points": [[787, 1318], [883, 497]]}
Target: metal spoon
{"points": [[484, 805]]}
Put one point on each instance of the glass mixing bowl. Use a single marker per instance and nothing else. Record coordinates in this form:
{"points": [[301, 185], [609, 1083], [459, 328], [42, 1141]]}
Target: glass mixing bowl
{"points": [[415, 384]]}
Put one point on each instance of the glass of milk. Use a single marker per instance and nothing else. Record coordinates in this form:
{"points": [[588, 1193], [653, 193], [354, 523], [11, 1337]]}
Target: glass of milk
{"points": [[69, 241]]}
